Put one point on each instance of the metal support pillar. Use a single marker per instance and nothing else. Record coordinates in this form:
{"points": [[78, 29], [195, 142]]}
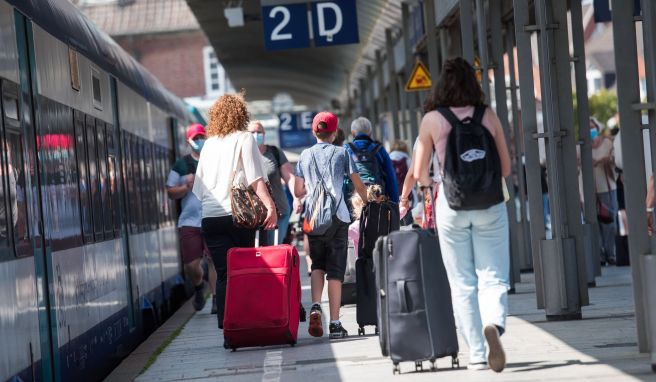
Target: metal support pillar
{"points": [[363, 99], [530, 127], [409, 65], [467, 30], [380, 77], [649, 261], [444, 49], [526, 260], [629, 105], [481, 20], [403, 110], [393, 98], [590, 226], [372, 114], [516, 245], [563, 258], [431, 40]]}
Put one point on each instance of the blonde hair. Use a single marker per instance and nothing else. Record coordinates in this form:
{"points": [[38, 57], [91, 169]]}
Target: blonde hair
{"points": [[374, 194], [228, 114], [399, 145]]}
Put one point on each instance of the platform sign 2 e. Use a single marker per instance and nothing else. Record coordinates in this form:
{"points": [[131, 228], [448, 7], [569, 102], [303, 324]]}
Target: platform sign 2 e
{"points": [[296, 129], [292, 26]]}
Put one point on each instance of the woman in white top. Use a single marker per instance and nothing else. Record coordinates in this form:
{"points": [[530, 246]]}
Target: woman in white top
{"points": [[227, 138]]}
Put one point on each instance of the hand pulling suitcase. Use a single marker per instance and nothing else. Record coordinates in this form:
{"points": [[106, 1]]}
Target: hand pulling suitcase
{"points": [[415, 312], [378, 219], [263, 297]]}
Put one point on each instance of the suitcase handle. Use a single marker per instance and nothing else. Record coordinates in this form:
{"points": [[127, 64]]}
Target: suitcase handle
{"points": [[400, 288]]}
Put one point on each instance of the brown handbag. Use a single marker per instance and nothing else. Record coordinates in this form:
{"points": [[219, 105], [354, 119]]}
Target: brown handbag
{"points": [[248, 211]]}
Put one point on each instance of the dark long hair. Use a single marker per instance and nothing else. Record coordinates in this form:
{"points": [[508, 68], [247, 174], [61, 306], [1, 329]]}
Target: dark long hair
{"points": [[457, 86]]}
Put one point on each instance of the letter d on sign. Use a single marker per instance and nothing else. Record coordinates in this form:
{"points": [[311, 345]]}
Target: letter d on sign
{"points": [[321, 16]]}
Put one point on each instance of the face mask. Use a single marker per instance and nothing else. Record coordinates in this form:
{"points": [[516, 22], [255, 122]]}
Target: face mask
{"points": [[593, 133], [197, 145], [259, 138]]}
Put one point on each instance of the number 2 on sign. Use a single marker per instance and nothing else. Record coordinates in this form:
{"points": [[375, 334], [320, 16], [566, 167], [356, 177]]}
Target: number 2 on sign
{"points": [[286, 16]]}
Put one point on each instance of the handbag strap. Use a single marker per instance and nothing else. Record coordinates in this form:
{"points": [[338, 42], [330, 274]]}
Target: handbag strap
{"points": [[240, 144]]}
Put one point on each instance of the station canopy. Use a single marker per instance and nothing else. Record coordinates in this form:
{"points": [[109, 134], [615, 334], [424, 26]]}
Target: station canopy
{"points": [[312, 76]]}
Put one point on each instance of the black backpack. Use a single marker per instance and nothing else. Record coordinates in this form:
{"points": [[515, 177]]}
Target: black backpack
{"points": [[472, 168]]}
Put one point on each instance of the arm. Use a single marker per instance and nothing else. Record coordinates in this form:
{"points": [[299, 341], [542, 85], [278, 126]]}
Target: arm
{"points": [[391, 188], [360, 188], [408, 184], [502, 147], [420, 171], [299, 188], [287, 172], [179, 192]]}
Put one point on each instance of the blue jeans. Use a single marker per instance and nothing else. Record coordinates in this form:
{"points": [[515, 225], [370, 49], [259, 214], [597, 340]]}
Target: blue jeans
{"points": [[476, 252], [283, 224], [608, 231]]}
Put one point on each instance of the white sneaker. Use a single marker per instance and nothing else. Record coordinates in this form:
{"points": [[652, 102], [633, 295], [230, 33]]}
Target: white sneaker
{"points": [[477, 366], [497, 357]]}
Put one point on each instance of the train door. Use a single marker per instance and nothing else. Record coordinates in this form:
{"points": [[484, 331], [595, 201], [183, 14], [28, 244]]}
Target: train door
{"points": [[29, 239]]}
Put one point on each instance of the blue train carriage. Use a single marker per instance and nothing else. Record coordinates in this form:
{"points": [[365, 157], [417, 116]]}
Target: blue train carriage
{"points": [[89, 259]]}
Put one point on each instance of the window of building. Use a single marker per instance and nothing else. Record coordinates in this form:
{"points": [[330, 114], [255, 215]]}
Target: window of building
{"points": [[216, 81]]}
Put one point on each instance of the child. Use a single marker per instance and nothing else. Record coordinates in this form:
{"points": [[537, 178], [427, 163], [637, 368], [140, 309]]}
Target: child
{"points": [[374, 194], [329, 164]]}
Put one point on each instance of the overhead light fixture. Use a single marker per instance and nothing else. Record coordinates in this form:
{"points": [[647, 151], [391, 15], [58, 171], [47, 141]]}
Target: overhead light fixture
{"points": [[235, 16]]}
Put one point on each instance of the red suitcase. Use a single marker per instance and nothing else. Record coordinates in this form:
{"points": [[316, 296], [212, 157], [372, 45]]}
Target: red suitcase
{"points": [[263, 297]]}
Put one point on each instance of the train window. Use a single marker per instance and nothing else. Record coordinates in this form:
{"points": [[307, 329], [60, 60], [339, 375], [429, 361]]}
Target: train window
{"points": [[129, 180], [137, 178], [94, 180], [105, 200], [17, 176], [97, 89], [10, 106], [113, 181], [83, 176], [151, 192]]}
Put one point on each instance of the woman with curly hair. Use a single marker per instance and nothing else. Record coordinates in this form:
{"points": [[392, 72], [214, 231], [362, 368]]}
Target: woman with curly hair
{"points": [[228, 144]]}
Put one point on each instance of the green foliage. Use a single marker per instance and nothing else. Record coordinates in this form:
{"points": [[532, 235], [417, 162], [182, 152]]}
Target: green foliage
{"points": [[603, 105]]}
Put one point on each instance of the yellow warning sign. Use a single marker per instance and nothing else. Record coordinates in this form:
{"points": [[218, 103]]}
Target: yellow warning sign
{"points": [[420, 79]]}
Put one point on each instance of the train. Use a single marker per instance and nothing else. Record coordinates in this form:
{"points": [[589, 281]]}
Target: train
{"points": [[89, 255]]}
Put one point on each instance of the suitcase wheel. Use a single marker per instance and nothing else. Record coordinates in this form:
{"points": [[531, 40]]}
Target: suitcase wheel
{"points": [[293, 343], [361, 331], [377, 332], [419, 366], [455, 362], [396, 369], [433, 365], [234, 350]]}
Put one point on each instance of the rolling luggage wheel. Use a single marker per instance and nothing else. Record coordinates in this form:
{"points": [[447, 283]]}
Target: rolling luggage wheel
{"points": [[433, 365], [377, 332], [396, 369], [455, 362], [361, 331], [419, 366]]}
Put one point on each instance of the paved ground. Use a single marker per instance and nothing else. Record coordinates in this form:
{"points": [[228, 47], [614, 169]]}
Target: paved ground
{"points": [[601, 347]]}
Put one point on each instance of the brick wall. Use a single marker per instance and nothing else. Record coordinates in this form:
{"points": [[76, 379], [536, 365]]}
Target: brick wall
{"points": [[176, 59]]}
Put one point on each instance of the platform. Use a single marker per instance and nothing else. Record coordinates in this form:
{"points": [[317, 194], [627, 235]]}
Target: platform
{"points": [[601, 347]]}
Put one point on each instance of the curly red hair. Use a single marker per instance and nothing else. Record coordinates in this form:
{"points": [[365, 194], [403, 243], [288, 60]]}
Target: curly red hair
{"points": [[228, 114]]}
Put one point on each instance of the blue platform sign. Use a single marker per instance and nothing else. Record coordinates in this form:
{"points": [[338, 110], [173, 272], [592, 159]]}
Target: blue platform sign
{"points": [[285, 27], [335, 23], [603, 11], [296, 130]]}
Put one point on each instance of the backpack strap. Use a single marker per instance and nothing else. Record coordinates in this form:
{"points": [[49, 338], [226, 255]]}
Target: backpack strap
{"points": [[479, 113], [448, 115]]}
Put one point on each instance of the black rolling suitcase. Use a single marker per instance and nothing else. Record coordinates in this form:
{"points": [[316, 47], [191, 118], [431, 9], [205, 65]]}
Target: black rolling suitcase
{"points": [[377, 220], [415, 311]]}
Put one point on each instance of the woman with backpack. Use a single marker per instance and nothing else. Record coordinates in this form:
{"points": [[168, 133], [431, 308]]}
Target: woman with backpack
{"points": [[278, 170], [471, 214]]}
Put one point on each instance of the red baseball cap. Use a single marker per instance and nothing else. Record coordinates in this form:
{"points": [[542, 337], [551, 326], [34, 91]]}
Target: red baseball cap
{"points": [[194, 130], [326, 117]]}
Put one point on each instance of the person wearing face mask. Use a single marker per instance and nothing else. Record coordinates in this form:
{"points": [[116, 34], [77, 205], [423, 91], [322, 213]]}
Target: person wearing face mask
{"points": [[178, 186], [603, 162], [278, 170]]}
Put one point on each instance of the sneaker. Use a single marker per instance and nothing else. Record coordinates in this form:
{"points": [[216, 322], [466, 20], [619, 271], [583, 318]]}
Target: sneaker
{"points": [[497, 357], [337, 331], [213, 305], [477, 366], [315, 327], [199, 297]]}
